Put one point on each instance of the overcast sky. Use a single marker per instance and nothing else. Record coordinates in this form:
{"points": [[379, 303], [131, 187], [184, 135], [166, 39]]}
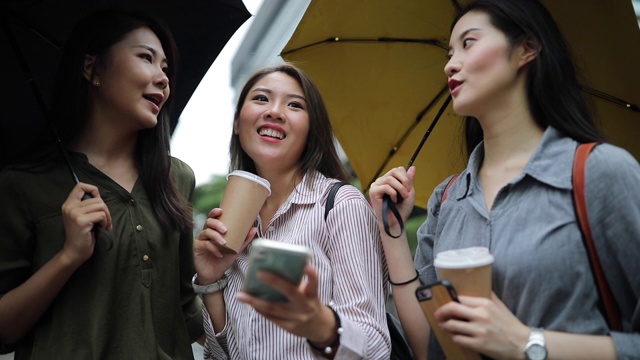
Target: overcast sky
{"points": [[202, 136]]}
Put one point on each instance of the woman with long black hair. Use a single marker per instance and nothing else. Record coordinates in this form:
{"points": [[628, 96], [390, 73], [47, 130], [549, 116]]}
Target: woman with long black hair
{"points": [[106, 275], [511, 74]]}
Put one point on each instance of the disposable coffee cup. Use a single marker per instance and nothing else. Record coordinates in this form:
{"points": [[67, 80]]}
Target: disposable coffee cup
{"points": [[468, 270], [242, 200]]}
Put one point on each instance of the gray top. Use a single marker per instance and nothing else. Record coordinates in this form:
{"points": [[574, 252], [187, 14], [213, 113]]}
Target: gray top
{"points": [[541, 270]]}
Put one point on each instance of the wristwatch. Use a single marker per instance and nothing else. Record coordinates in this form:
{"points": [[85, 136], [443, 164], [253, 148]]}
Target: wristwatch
{"points": [[211, 288], [535, 348]]}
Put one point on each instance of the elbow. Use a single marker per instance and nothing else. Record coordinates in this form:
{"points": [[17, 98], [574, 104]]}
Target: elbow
{"points": [[8, 333], [6, 340]]}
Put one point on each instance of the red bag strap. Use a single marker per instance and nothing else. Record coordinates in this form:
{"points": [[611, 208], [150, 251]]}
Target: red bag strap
{"points": [[579, 180], [446, 189]]}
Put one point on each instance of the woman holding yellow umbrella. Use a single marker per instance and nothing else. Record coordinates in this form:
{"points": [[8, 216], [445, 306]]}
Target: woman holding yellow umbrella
{"points": [[511, 73]]}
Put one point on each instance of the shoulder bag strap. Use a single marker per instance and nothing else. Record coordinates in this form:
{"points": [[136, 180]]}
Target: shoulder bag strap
{"points": [[332, 197], [579, 180], [446, 189]]}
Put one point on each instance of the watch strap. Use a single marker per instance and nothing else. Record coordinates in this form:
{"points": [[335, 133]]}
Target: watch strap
{"points": [[536, 349]]}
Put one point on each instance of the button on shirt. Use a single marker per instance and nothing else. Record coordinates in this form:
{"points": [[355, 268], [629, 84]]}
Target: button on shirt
{"points": [[347, 255], [132, 302], [541, 270]]}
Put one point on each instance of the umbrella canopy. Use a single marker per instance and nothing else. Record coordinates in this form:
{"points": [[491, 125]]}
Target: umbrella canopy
{"points": [[34, 32], [380, 67]]}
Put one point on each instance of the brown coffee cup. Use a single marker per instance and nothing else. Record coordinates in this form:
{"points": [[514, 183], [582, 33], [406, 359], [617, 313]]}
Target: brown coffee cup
{"points": [[468, 270], [242, 200]]}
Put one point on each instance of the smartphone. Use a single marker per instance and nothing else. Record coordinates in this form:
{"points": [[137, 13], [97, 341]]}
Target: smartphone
{"points": [[284, 260], [431, 297]]}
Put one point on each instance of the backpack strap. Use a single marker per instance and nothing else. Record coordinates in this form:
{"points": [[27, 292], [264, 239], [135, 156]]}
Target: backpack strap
{"points": [[579, 198], [332, 197]]}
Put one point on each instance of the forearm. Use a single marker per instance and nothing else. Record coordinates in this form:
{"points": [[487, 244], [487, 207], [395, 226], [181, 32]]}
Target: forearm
{"points": [[402, 269], [575, 346], [214, 303], [399, 260], [22, 307]]}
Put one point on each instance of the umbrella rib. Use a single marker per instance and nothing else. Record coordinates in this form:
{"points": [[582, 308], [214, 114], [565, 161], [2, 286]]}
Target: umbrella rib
{"points": [[433, 42], [406, 134], [25, 67], [608, 97], [337, 39], [38, 95], [20, 20]]}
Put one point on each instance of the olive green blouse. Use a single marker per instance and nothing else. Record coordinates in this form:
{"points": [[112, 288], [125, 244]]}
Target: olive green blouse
{"points": [[134, 301]]}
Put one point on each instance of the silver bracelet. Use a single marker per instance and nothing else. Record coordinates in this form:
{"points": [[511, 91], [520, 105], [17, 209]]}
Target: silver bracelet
{"points": [[211, 288]]}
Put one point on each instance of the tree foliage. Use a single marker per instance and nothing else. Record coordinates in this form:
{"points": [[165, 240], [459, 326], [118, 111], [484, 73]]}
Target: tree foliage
{"points": [[208, 196]]}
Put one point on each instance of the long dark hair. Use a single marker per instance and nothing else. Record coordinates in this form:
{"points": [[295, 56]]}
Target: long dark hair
{"points": [[553, 89], [95, 34], [320, 151]]}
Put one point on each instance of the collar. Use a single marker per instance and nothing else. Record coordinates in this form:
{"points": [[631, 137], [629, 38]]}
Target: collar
{"points": [[310, 189], [551, 163]]}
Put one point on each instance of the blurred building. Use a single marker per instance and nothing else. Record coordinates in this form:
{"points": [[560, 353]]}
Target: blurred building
{"points": [[273, 25]]}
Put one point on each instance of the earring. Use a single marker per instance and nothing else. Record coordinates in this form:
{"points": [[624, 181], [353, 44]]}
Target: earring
{"points": [[96, 83]]}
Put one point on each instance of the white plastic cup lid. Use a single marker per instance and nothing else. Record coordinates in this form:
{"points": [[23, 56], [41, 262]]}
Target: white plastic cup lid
{"points": [[463, 258], [253, 177]]}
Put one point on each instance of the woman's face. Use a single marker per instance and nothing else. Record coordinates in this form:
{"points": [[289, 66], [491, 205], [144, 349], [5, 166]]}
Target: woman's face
{"points": [[133, 83], [273, 124], [483, 68]]}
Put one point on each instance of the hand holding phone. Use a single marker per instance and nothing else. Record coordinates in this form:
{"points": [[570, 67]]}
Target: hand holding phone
{"points": [[284, 260], [431, 297]]}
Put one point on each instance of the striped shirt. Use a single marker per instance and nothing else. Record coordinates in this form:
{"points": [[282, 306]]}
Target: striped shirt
{"points": [[352, 275]]}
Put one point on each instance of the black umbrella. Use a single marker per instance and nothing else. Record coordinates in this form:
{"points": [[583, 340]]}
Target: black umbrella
{"points": [[33, 35]]}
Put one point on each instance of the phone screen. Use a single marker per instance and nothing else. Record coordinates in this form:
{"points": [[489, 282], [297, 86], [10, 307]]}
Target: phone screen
{"points": [[284, 260]]}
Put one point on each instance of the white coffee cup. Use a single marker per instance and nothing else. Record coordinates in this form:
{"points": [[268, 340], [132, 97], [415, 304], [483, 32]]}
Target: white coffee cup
{"points": [[468, 270]]}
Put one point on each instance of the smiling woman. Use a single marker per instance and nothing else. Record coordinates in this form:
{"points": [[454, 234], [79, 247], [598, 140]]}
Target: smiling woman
{"points": [[282, 133], [111, 107]]}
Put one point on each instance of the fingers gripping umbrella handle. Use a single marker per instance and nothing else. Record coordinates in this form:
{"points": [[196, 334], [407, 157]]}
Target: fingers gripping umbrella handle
{"points": [[103, 238]]}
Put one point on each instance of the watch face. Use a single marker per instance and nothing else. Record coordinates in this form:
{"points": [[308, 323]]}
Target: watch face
{"points": [[536, 352]]}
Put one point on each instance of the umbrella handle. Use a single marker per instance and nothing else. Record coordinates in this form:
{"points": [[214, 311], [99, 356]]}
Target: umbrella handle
{"points": [[387, 205], [103, 238]]}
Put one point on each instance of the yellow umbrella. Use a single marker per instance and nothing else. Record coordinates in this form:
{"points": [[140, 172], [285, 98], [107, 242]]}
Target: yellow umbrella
{"points": [[379, 65]]}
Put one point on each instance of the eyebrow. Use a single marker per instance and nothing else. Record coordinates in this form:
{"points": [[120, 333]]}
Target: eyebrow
{"points": [[464, 33], [296, 96], [153, 51]]}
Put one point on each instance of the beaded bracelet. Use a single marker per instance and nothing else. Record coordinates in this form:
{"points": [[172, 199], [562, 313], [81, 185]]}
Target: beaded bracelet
{"points": [[330, 348], [405, 282]]}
